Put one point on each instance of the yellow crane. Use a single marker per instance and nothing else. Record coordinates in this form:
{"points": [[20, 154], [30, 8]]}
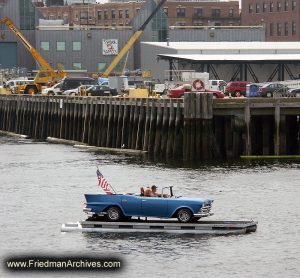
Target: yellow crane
{"points": [[131, 41], [46, 73]]}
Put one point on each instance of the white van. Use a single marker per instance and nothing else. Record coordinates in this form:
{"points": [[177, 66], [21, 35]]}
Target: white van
{"points": [[217, 85]]}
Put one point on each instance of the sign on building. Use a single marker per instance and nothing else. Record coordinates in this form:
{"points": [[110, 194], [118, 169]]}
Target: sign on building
{"points": [[110, 47]]}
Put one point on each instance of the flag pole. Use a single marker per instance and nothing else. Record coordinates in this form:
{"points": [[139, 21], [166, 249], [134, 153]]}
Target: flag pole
{"points": [[112, 188], [109, 183]]}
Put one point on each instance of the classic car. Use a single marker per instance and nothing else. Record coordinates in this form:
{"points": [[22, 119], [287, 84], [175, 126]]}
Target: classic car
{"points": [[118, 207]]}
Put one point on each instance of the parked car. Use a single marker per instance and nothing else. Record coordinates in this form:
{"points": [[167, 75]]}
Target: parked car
{"points": [[236, 88], [54, 90], [269, 89], [100, 90], [77, 91], [70, 83], [294, 92], [178, 92], [117, 207]]}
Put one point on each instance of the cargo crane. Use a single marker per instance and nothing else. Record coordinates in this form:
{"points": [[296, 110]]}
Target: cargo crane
{"points": [[46, 73], [131, 41]]}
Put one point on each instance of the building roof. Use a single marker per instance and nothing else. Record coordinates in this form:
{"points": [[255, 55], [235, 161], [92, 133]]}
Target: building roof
{"points": [[199, 46], [232, 57]]}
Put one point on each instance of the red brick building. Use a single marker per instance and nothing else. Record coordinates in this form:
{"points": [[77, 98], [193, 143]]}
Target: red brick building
{"points": [[180, 13], [196, 13], [280, 17]]}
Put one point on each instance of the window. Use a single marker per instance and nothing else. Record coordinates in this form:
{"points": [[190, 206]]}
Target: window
{"points": [[278, 29], [231, 12], [197, 23], [293, 5], [271, 7], [84, 15], [286, 29], [76, 46], [166, 11], [215, 12], [45, 46], [126, 13], [105, 14], [286, 5], [278, 6], [101, 67], [293, 28], [271, 29], [99, 15], [60, 46], [257, 8], [113, 14], [180, 24], [180, 12], [120, 14], [264, 7], [61, 66], [137, 10], [27, 14], [198, 12], [76, 66], [250, 8]]}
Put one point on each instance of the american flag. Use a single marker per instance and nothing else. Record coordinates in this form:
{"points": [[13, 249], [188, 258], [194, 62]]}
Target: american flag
{"points": [[103, 183]]}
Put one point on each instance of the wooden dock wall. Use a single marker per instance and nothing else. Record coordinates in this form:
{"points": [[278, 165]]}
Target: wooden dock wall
{"points": [[194, 128]]}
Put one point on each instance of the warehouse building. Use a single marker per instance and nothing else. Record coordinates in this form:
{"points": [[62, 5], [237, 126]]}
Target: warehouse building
{"points": [[229, 61]]}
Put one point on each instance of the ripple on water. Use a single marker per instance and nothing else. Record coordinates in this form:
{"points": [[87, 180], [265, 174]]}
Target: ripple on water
{"points": [[42, 186]]}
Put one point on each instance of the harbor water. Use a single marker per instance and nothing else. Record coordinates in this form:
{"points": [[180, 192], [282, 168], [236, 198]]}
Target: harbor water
{"points": [[42, 186]]}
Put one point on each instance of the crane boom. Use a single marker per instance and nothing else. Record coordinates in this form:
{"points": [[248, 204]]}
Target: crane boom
{"points": [[132, 40], [46, 72], [38, 58]]}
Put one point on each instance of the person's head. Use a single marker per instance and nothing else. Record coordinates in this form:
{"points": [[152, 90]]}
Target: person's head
{"points": [[153, 188]]}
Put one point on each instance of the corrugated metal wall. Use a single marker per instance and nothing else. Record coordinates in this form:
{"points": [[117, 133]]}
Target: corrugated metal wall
{"points": [[12, 10], [231, 34], [91, 47]]}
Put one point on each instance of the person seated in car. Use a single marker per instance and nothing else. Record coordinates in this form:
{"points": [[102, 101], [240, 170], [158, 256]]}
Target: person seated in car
{"points": [[151, 192]]}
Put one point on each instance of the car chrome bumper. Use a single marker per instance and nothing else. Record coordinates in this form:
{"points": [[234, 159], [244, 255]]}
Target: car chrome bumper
{"points": [[89, 211], [203, 214]]}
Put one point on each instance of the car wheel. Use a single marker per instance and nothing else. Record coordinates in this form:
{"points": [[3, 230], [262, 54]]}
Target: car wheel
{"points": [[269, 94], [114, 214], [297, 94], [184, 215], [165, 91], [50, 93], [237, 93], [214, 96]]}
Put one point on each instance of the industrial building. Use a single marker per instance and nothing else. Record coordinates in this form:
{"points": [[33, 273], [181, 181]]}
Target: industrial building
{"points": [[120, 13], [84, 48], [281, 18], [251, 61]]}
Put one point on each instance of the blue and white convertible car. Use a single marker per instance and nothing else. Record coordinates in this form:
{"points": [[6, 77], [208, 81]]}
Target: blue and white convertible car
{"points": [[118, 207]]}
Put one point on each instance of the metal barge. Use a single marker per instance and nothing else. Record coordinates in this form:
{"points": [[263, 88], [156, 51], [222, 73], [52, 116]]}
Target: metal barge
{"points": [[164, 226]]}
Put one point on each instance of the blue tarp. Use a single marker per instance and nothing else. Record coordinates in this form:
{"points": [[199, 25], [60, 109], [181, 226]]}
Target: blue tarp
{"points": [[252, 90]]}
